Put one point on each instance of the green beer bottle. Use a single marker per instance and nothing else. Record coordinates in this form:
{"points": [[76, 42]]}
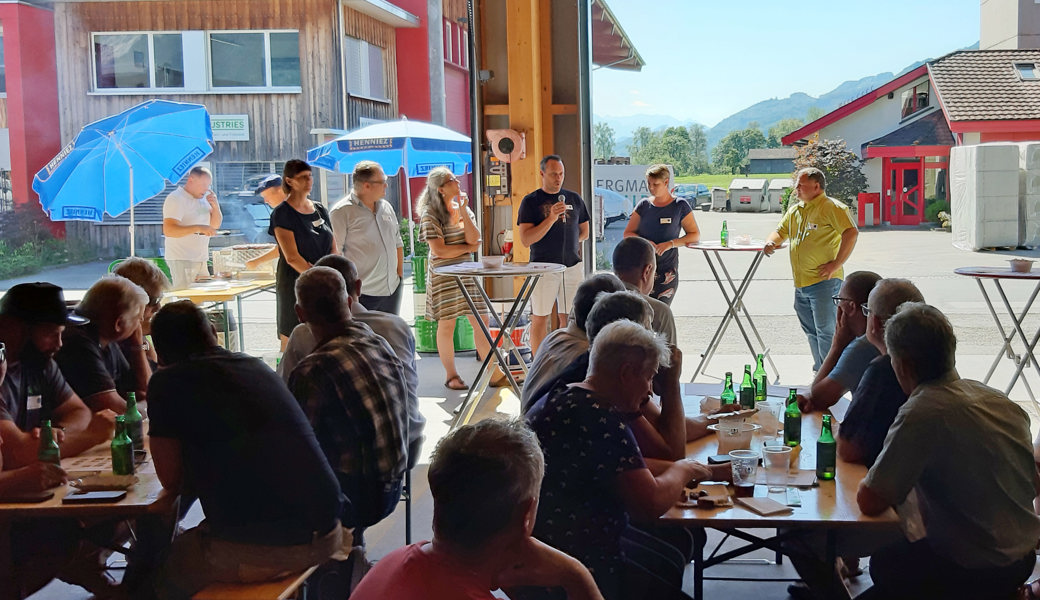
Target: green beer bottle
{"points": [[49, 451], [134, 422], [724, 236], [728, 397], [747, 390], [761, 380], [122, 449], [826, 452], [792, 420]]}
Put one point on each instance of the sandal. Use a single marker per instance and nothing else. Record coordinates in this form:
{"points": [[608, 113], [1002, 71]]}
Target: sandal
{"points": [[460, 386]]}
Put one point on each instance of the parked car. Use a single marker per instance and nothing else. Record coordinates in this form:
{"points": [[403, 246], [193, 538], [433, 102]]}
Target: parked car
{"points": [[246, 212], [692, 192], [615, 206]]}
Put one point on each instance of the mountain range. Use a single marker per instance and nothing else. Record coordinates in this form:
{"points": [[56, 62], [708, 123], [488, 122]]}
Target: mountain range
{"points": [[766, 113]]}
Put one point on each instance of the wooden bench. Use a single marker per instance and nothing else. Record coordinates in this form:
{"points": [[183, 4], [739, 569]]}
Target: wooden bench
{"points": [[278, 589]]}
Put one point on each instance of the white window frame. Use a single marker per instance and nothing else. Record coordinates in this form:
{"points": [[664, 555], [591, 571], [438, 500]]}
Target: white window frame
{"points": [[267, 64], [198, 65], [1021, 76]]}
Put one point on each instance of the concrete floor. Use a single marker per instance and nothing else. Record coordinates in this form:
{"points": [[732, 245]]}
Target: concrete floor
{"points": [[924, 256]]}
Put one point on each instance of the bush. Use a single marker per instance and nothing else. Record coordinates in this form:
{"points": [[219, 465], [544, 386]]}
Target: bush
{"points": [[421, 248], [932, 209], [785, 200], [27, 245]]}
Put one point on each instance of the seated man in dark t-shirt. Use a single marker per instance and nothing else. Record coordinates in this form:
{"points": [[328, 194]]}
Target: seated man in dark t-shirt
{"points": [[32, 318], [91, 358], [225, 426], [879, 396]]}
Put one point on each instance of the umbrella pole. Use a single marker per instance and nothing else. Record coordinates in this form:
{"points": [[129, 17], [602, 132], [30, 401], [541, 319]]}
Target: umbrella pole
{"points": [[132, 254], [411, 225]]}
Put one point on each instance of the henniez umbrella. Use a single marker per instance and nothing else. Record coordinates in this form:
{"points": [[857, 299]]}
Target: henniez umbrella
{"points": [[415, 146], [123, 160]]}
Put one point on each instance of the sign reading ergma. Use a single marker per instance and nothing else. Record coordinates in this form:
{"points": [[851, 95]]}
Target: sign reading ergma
{"points": [[230, 128], [627, 180]]}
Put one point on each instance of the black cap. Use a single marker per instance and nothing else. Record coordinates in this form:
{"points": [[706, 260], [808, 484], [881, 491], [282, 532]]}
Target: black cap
{"points": [[268, 183], [39, 303]]}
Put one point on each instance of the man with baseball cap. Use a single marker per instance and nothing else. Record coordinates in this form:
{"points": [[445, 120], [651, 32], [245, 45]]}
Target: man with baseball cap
{"points": [[32, 318], [270, 189]]}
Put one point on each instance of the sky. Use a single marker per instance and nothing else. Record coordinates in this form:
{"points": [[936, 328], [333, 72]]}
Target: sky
{"points": [[707, 59]]}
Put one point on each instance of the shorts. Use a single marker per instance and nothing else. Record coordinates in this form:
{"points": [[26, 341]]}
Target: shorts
{"points": [[557, 287]]}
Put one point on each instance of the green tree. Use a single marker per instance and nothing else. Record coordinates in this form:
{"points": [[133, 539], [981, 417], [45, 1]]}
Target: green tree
{"points": [[700, 163], [730, 154], [780, 129], [603, 140], [842, 167], [815, 112], [642, 140]]}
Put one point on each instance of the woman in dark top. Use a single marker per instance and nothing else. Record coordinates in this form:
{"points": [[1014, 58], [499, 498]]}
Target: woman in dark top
{"points": [[301, 228], [668, 223]]}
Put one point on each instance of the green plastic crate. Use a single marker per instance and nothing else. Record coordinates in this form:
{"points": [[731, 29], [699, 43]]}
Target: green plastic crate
{"points": [[426, 335], [464, 335], [419, 274]]}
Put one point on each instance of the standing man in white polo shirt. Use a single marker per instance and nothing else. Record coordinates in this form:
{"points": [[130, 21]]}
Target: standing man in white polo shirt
{"points": [[553, 223], [366, 231], [190, 216]]}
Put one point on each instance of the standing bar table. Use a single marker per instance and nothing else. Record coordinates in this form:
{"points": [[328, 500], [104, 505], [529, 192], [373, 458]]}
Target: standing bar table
{"points": [[531, 272], [733, 292], [1023, 360]]}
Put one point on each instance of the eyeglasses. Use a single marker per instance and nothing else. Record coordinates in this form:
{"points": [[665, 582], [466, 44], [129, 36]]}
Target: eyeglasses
{"points": [[839, 299], [377, 181], [865, 309], [3, 352]]}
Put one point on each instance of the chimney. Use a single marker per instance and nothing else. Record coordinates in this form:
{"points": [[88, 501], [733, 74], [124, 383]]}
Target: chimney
{"points": [[1009, 24]]}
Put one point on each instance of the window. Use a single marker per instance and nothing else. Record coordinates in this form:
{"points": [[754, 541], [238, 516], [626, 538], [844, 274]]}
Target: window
{"points": [[196, 61], [915, 99], [456, 44], [240, 59], [365, 71], [138, 60], [1027, 71]]}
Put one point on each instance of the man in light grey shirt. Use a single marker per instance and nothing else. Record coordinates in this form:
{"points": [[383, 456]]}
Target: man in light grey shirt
{"points": [[390, 327], [636, 266], [965, 449], [366, 231]]}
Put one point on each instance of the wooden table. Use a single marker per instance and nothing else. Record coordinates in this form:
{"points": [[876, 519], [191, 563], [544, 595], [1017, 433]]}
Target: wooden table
{"points": [[531, 272], [1026, 358], [830, 507], [146, 498], [734, 295], [236, 290]]}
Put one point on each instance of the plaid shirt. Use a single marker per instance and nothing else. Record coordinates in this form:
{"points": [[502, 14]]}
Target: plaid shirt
{"points": [[352, 390]]}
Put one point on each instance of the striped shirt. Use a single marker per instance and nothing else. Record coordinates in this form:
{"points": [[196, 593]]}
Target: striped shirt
{"points": [[352, 389]]}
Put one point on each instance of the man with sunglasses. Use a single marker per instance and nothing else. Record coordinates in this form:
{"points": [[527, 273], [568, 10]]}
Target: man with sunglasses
{"points": [[850, 351], [366, 231]]}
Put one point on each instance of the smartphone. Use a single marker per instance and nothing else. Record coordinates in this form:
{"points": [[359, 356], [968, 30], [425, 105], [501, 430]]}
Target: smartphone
{"points": [[719, 459], [94, 497]]}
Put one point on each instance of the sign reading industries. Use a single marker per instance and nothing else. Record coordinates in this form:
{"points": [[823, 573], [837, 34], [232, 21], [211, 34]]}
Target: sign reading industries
{"points": [[80, 213], [230, 128]]}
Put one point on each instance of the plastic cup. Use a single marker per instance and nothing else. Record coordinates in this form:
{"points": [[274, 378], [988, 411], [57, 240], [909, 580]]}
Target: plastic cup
{"points": [[768, 417], [736, 436], [744, 464], [777, 461]]}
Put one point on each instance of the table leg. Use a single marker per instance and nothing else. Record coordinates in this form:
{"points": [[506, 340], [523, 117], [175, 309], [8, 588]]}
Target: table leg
{"points": [[241, 326], [735, 307], [1027, 356], [465, 411], [700, 540], [8, 587], [509, 323]]}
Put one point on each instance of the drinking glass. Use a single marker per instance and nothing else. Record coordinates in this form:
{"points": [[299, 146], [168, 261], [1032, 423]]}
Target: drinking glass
{"points": [[744, 464], [777, 461]]}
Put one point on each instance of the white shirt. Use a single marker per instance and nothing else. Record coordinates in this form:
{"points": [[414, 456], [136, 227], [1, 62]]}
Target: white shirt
{"points": [[188, 210], [370, 239]]}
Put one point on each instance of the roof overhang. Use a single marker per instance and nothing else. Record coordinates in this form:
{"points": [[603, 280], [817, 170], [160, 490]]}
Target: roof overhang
{"points": [[611, 48], [905, 151], [1003, 126], [843, 111], [385, 12]]}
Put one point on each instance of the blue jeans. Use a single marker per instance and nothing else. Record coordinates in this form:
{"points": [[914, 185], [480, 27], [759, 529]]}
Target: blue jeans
{"points": [[817, 315]]}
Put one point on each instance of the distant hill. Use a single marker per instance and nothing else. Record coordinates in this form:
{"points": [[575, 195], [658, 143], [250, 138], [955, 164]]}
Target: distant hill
{"points": [[766, 113]]}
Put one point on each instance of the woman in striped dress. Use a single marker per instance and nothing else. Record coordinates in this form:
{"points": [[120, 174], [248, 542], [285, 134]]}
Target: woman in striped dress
{"points": [[449, 227]]}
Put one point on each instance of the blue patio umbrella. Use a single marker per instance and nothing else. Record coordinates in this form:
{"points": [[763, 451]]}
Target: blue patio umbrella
{"points": [[123, 160], [415, 146]]}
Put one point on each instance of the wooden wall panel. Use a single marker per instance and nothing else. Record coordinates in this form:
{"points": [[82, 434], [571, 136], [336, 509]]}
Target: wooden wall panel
{"points": [[455, 10], [280, 124], [3, 113]]}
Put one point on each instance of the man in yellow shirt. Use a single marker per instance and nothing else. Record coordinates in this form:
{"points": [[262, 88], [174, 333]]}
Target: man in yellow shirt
{"points": [[821, 235]]}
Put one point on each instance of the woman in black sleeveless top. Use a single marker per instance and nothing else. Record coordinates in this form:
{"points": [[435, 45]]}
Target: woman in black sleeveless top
{"points": [[668, 223]]}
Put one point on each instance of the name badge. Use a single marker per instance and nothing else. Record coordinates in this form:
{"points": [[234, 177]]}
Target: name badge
{"points": [[35, 402], [666, 220], [318, 223]]}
